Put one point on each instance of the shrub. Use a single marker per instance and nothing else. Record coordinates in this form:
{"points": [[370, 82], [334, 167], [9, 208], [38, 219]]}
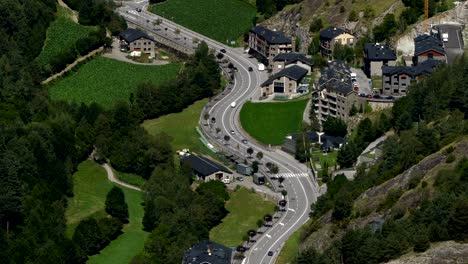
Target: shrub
{"points": [[450, 158]]}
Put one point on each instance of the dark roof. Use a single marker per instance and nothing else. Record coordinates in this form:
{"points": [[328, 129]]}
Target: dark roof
{"points": [[132, 34], [294, 72], [331, 32], [425, 43], [378, 52], [337, 77], [425, 67], [313, 137], [207, 252], [272, 37], [203, 166], [293, 57]]}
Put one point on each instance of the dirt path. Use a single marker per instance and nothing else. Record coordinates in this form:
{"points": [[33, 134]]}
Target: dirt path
{"points": [[71, 66], [73, 14], [112, 178]]}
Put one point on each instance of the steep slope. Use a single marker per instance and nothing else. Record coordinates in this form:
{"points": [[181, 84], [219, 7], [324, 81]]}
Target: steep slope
{"points": [[397, 198], [296, 19]]}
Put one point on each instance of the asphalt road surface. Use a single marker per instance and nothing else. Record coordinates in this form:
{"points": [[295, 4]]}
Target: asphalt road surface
{"points": [[454, 46], [302, 191]]}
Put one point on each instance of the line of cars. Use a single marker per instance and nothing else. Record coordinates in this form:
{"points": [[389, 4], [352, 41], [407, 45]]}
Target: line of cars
{"points": [[377, 96]]}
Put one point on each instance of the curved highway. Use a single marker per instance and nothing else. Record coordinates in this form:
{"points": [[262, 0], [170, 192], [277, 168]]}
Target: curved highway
{"points": [[302, 190]]}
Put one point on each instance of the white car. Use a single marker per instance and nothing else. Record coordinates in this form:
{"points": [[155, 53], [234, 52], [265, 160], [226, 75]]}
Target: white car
{"points": [[233, 104]]}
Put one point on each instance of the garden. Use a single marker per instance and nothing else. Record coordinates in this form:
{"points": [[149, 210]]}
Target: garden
{"points": [[107, 81], [220, 20]]}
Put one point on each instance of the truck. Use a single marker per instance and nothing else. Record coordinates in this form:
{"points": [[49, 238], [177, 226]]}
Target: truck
{"points": [[261, 67], [445, 37]]}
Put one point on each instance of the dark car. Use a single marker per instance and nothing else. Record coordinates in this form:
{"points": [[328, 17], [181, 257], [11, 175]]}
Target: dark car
{"points": [[138, 9], [270, 253], [390, 97], [362, 94], [377, 96], [240, 178], [223, 50], [250, 69]]}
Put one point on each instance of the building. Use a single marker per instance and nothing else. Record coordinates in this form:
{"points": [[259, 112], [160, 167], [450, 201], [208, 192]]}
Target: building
{"points": [[269, 43], [377, 55], [428, 47], [135, 40], [286, 60], [206, 169], [207, 252], [284, 82], [243, 169], [397, 79], [326, 142], [330, 36], [258, 178], [335, 96]]}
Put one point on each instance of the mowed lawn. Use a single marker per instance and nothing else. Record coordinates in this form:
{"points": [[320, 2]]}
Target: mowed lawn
{"points": [[245, 209], [269, 123], [106, 81], [62, 35], [218, 19], [181, 127], [90, 190]]}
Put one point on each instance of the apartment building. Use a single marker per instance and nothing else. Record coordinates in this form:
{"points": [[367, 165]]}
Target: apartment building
{"points": [[330, 36], [284, 82], [397, 79], [269, 43], [335, 95], [377, 55]]}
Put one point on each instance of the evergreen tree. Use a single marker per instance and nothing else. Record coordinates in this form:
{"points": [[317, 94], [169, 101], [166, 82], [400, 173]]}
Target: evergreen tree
{"points": [[116, 205], [88, 236], [458, 221]]}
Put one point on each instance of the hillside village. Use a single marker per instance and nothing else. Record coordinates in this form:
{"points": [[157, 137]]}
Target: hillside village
{"points": [[234, 131]]}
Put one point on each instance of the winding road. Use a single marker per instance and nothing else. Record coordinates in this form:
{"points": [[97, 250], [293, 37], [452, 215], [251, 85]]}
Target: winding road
{"points": [[301, 186]]}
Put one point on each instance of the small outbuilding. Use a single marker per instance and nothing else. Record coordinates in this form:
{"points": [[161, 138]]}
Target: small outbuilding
{"points": [[258, 178], [206, 169], [243, 169]]}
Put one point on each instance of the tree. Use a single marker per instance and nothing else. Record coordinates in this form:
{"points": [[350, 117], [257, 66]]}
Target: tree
{"points": [[274, 169], [217, 188], [116, 205], [343, 206], [458, 221], [259, 155], [250, 151], [255, 166], [281, 180], [386, 29], [335, 127], [217, 131], [302, 148], [88, 236], [284, 193], [316, 25], [227, 138], [421, 242], [206, 116], [352, 16]]}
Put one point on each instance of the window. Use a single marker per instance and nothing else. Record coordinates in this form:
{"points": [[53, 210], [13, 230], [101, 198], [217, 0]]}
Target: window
{"points": [[280, 66], [144, 49], [430, 55], [144, 43], [278, 87], [395, 90], [403, 77], [403, 84]]}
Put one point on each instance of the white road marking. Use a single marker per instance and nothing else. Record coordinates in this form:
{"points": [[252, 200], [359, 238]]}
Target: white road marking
{"points": [[282, 224], [268, 236], [290, 209]]}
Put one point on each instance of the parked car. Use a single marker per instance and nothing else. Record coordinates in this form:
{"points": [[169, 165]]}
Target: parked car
{"points": [[270, 253], [233, 132], [390, 97], [244, 141], [250, 69], [362, 94], [377, 96], [223, 50], [239, 178]]}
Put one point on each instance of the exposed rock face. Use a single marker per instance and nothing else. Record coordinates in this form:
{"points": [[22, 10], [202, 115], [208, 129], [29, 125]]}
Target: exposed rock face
{"points": [[448, 252]]}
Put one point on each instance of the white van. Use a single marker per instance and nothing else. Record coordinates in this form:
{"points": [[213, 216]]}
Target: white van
{"points": [[233, 104]]}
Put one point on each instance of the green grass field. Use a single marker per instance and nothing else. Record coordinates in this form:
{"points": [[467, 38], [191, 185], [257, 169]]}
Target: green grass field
{"points": [[130, 178], [90, 190], [245, 209], [62, 34], [269, 123], [218, 19], [181, 127], [106, 81]]}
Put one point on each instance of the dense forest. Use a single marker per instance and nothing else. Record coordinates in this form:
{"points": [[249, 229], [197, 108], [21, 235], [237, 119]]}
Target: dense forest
{"points": [[430, 117], [44, 141]]}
